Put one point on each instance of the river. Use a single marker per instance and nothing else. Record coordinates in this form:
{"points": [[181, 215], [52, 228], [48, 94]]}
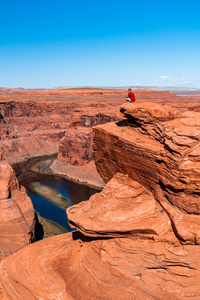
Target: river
{"points": [[74, 192]]}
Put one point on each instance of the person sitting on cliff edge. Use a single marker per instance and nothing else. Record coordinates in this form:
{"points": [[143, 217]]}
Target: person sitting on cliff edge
{"points": [[131, 96]]}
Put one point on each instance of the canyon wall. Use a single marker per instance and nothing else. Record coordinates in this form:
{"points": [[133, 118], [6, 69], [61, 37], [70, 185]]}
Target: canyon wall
{"points": [[32, 124], [139, 237], [17, 216], [76, 146]]}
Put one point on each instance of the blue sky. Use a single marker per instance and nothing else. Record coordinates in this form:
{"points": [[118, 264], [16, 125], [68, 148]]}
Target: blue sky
{"points": [[46, 43]]}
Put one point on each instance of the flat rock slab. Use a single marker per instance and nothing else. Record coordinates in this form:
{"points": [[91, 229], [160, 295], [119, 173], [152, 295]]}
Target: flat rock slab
{"points": [[123, 208]]}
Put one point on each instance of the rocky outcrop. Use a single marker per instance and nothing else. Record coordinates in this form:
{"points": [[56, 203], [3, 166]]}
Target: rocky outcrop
{"points": [[124, 208], [139, 237], [17, 216], [158, 147]]}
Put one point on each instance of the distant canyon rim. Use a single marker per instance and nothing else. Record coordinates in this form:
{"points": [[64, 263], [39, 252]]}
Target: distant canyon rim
{"points": [[42, 123], [140, 235]]}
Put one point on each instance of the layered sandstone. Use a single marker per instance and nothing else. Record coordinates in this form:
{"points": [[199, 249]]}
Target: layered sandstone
{"points": [[124, 208], [160, 149], [30, 129], [76, 146], [17, 216], [139, 237]]}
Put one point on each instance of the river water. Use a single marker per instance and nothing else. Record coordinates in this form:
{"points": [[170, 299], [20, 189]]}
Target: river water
{"points": [[74, 192]]}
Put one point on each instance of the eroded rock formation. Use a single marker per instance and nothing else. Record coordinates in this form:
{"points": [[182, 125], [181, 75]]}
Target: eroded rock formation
{"points": [[139, 237], [17, 216], [161, 151]]}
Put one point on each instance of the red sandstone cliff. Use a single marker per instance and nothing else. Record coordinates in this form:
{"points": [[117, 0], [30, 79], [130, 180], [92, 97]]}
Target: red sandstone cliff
{"points": [[32, 124], [76, 146], [17, 216], [138, 238], [161, 147]]}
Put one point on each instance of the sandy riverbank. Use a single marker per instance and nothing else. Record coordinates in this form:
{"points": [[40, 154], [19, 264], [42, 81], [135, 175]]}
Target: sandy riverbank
{"points": [[86, 174]]}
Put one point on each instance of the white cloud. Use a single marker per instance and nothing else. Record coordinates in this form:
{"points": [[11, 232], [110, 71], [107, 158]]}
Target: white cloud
{"points": [[180, 79], [165, 77]]}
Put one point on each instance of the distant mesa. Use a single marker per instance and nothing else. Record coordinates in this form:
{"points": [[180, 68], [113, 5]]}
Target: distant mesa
{"points": [[18, 90], [176, 90]]}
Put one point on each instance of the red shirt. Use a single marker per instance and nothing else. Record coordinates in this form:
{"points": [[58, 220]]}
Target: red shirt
{"points": [[131, 96]]}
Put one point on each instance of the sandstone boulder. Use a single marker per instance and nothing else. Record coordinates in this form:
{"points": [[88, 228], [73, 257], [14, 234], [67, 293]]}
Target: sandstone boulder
{"points": [[8, 180], [146, 112], [123, 208]]}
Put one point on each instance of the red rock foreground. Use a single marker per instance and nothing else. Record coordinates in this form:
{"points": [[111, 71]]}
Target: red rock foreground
{"points": [[139, 237]]}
